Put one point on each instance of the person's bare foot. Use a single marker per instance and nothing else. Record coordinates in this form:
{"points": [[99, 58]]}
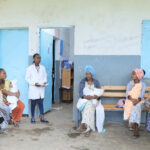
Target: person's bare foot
{"points": [[135, 136], [87, 134], [15, 123], [80, 129], [10, 122]]}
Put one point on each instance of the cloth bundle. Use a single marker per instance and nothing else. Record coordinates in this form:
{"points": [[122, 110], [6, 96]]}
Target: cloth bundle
{"points": [[86, 91], [12, 100]]}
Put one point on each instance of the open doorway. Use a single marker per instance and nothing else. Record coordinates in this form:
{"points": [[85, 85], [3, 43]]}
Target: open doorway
{"points": [[53, 72], [56, 46]]}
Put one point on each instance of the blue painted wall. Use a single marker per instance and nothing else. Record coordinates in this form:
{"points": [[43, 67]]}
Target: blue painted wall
{"points": [[110, 70], [14, 59], [145, 55]]}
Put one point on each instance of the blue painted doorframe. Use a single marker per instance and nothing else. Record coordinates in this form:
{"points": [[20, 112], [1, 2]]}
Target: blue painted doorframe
{"points": [[145, 54], [46, 52], [14, 58]]}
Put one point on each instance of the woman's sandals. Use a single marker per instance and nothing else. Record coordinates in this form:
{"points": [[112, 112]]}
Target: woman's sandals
{"points": [[87, 131], [87, 134], [135, 136]]}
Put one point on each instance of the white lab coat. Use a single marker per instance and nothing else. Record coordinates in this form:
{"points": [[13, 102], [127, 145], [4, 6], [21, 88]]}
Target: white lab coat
{"points": [[33, 76]]}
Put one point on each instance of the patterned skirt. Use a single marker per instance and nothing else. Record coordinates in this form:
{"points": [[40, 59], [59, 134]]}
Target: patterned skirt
{"points": [[135, 116], [88, 115], [4, 124]]}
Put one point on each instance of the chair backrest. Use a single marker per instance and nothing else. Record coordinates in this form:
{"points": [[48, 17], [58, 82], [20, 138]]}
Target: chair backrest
{"points": [[119, 91]]}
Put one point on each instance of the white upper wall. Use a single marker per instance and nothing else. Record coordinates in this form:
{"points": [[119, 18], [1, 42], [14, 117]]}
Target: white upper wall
{"points": [[102, 27]]}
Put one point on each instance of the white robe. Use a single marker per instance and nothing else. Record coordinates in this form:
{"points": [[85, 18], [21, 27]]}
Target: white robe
{"points": [[33, 76]]}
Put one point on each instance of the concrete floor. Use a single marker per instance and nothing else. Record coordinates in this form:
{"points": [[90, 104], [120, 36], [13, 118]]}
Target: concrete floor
{"points": [[60, 135]]}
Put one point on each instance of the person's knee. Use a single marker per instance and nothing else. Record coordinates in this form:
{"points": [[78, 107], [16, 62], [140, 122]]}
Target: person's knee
{"points": [[16, 109], [22, 105], [40, 102], [7, 109], [33, 103]]}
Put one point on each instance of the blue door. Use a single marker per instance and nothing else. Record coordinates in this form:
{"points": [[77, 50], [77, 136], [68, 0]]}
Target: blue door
{"points": [[145, 55], [14, 59], [46, 52]]}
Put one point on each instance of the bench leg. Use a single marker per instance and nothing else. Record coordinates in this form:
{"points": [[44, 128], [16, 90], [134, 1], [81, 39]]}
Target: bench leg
{"points": [[146, 118]]}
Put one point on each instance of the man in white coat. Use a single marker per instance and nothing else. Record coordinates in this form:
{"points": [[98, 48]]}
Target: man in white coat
{"points": [[37, 79]]}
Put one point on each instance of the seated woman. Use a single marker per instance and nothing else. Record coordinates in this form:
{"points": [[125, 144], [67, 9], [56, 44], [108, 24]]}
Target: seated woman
{"points": [[134, 95], [3, 106], [17, 112], [4, 109], [93, 103]]}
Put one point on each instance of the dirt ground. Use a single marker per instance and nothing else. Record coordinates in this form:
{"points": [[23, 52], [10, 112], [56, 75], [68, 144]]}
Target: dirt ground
{"points": [[61, 135]]}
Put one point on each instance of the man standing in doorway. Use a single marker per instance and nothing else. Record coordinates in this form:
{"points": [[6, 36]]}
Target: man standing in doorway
{"points": [[37, 79]]}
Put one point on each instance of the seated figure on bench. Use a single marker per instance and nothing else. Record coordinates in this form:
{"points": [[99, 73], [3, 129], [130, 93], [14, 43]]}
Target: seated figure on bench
{"points": [[134, 98], [90, 92]]}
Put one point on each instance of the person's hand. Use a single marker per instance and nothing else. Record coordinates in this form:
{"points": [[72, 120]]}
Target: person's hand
{"points": [[129, 97], [88, 97], [135, 101], [17, 94], [142, 101], [95, 97], [7, 103], [37, 85], [44, 84]]}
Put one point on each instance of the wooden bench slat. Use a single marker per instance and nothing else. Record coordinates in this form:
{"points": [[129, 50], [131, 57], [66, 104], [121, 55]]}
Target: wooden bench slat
{"points": [[120, 94], [113, 94], [113, 107], [119, 88], [147, 109], [113, 88], [146, 95], [147, 88]]}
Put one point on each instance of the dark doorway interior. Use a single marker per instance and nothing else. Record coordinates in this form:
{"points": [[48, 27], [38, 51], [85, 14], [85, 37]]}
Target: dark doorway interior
{"points": [[53, 72]]}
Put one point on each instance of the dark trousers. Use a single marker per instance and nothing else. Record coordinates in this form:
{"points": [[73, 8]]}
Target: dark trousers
{"points": [[41, 107]]}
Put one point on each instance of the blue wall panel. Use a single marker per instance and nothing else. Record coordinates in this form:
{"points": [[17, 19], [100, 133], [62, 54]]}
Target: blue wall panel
{"points": [[145, 55]]}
